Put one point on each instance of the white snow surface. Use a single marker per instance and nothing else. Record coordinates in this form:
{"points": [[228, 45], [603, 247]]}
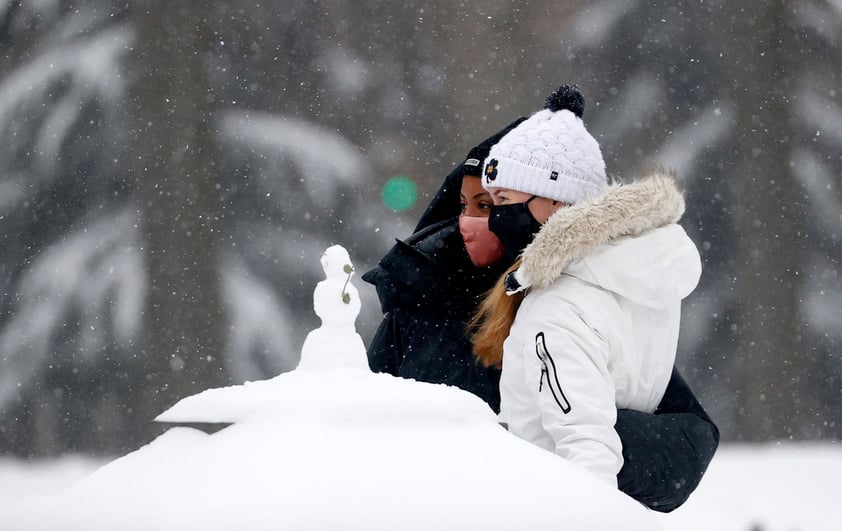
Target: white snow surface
{"points": [[760, 487], [335, 449], [334, 446]]}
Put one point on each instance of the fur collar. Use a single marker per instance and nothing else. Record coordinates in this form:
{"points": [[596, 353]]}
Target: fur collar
{"points": [[572, 232]]}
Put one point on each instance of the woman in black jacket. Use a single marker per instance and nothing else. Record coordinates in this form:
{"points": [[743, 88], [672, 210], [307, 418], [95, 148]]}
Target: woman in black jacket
{"points": [[429, 288]]}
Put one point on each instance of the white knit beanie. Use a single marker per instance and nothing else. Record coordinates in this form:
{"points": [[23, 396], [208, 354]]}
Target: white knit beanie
{"points": [[550, 154]]}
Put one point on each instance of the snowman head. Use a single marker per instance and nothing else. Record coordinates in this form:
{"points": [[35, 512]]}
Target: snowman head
{"points": [[336, 262]]}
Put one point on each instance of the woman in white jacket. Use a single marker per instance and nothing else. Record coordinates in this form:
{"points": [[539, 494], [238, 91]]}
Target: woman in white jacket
{"points": [[601, 289]]}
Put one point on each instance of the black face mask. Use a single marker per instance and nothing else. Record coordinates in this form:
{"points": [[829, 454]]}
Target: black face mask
{"points": [[515, 226]]}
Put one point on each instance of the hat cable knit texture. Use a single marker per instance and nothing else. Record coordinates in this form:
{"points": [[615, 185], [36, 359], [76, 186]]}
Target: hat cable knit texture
{"points": [[551, 154]]}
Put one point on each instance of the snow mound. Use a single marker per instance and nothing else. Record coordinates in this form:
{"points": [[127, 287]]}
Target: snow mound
{"points": [[353, 451]]}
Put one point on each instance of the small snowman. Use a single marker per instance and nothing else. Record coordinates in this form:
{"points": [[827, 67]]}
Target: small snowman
{"points": [[336, 343]]}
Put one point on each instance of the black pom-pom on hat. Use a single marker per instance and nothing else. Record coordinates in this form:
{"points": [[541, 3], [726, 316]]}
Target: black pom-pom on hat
{"points": [[566, 97]]}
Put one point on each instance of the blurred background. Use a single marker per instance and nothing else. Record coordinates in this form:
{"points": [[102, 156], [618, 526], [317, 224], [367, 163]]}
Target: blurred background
{"points": [[170, 172]]}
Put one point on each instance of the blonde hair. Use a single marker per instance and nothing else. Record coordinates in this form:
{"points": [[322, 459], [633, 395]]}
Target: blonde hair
{"points": [[493, 320]]}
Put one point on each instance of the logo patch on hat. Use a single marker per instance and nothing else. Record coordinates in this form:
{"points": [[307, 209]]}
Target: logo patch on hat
{"points": [[554, 176], [472, 162], [491, 170]]}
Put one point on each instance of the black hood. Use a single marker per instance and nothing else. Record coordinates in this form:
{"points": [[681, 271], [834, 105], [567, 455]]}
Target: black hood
{"points": [[445, 204], [431, 269]]}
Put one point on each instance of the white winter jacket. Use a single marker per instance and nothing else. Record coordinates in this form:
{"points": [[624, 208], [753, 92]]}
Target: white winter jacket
{"points": [[598, 328]]}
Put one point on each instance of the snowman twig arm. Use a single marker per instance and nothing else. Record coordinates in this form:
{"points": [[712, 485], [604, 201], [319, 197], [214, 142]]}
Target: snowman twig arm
{"points": [[346, 297]]}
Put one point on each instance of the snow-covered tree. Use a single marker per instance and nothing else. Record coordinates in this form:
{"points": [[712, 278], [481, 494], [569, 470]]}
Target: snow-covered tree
{"points": [[154, 236]]}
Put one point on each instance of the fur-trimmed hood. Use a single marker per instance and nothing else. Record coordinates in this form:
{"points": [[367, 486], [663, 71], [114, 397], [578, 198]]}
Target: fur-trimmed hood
{"points": [[574, 232]]}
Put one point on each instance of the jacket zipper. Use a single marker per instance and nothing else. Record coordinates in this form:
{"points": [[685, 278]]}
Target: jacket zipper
{"points": [[548, 369]]}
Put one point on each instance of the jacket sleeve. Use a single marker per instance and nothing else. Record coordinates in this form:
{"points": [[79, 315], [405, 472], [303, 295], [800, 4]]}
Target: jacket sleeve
{"points": [[384, 351], [566, 366], [666, 453]]}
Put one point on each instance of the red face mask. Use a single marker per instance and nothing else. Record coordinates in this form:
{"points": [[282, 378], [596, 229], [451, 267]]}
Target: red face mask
{"points": [[484, 247]]}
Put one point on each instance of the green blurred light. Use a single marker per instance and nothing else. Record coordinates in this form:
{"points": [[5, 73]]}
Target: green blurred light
{"points": [[399, 193]]}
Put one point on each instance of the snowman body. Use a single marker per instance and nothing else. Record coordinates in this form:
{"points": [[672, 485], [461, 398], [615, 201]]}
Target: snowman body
{"points": [[335, 344]]}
